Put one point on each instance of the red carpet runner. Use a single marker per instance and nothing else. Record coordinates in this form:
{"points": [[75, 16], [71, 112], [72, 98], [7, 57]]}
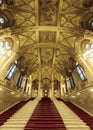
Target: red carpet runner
{"points": [[7, 114], [82, 114], [45, 117]]}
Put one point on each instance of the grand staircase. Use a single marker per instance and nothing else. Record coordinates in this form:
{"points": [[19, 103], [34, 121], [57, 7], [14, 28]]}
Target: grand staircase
{"points": [[71, 120], [45, 114], [16, 120], [85, 117], [45, 117]]}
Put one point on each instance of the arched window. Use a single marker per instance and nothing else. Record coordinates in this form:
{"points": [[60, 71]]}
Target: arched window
{"points": [[91, 45], [5, 47], [1, 1], [87, 46], [2, 20], [11, 71], [87, 21], [6, 18], [91, 23], [72, 81], [2, 49], [80, 72], [19, 81], [88, 51]]}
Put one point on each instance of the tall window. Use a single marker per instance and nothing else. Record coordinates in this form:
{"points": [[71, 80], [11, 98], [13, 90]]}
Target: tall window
{"points": [[72, 82], [19, 81], [66, 86], [80, 72], [11, 71], [25, 85]]}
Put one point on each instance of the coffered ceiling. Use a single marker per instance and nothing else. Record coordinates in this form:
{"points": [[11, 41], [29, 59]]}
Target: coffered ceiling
{"points": [[47, 31]]}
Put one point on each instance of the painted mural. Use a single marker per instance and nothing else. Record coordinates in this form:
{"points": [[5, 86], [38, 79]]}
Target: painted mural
{"points": [[47, 36], [46, 56], [48, 12]]}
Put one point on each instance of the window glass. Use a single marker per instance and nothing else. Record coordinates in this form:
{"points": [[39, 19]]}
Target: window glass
{"points": [[2, 20], [68, 84], [92, 23], [13, 69], [80, 72], [92, 46], [16, 62], [82, 76], [1, 1], [1, 44], [87, 46], [9, 76], [7, 45], [9, 53], [76, 63], [72, 81], [2, 51], [11, 72], [78, 69], [19, 81], [5, 48]]}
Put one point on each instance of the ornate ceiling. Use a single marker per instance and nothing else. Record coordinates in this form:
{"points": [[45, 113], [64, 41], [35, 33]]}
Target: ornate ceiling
{"points": [[47, 31]]}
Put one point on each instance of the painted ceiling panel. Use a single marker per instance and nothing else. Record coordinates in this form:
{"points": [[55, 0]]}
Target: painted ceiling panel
{"points": [[48, 36], [48, 12], [46, 56]]}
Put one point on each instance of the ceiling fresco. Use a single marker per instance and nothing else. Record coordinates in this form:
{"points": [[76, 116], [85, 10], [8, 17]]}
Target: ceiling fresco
{"points": [[48, 10], [48, 36], [46, 56]]}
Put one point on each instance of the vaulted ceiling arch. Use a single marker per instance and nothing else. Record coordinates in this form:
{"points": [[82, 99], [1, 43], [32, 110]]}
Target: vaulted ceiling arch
{"points": [[48, 34]]}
